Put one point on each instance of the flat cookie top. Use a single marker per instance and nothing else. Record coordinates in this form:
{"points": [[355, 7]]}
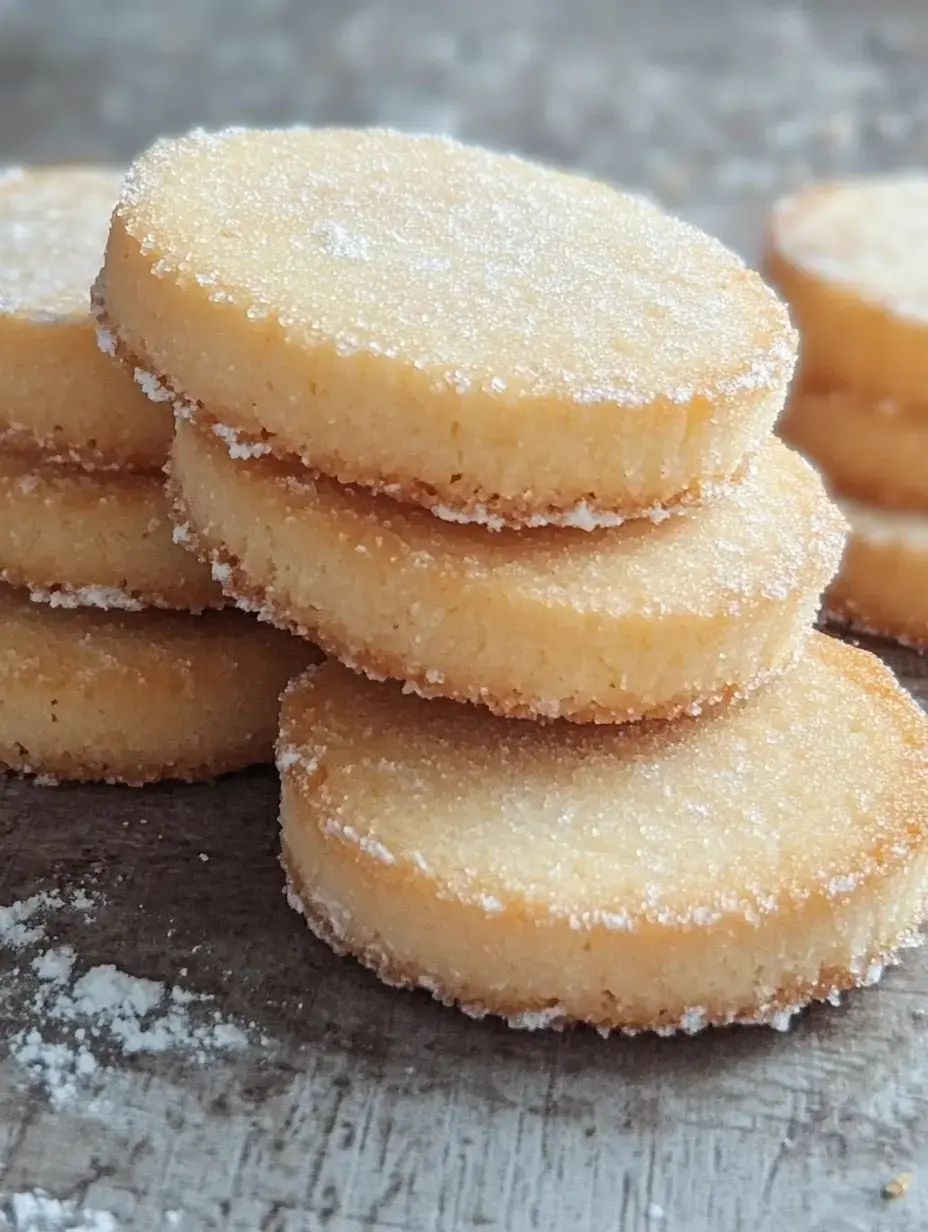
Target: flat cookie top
{"points": [[814, 784], [53, 226], [481, 269], [870, 236]]}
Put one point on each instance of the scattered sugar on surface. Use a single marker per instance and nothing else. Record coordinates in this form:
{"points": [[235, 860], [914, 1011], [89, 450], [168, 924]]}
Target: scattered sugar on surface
{"points": [[182, 534], [53, 226], [538, 1020], [36, 1211], [21, 923], [222, 572], [80, 1018]]}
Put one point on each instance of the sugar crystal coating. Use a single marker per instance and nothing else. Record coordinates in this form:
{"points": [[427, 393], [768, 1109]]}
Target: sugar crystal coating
{"points": [[653, 876], [481, 269], [72, 677], [53, 226], [596, 625]]}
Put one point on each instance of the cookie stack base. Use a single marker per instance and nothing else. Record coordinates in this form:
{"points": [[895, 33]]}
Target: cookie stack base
{"points": [[651, 878]]}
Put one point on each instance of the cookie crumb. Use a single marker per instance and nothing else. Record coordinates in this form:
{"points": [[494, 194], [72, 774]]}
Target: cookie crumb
{"points": [[898, 1187]]}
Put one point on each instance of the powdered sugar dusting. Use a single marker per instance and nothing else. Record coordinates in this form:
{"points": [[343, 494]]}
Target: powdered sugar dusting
{"points": [[36, 1211], [582, 516], [538, 1020], [239, 446], [151, 387], [82, 1015], [106, 341], [366, 842], [289, 756], [104, 597], [21, 923]]}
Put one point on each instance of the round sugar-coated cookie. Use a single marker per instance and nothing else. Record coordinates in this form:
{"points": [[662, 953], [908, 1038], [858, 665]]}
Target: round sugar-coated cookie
{"points": [[661, 877], [882, 586], [76, 538], [849, 259], [60, 397], [873, 452], [492, 339], [597, 627], [133, 697]]}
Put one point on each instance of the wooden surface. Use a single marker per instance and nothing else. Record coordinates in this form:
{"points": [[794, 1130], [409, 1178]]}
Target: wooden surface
{"points": [[364, 1108], [373, 1109]]}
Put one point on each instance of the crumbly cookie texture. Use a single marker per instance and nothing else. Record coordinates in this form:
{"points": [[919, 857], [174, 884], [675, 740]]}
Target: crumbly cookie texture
{"points": [[99, 539], [649, 877], [498, 338], [604, 627], [137, 696]]}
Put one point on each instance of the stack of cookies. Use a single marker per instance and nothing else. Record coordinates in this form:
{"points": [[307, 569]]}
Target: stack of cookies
{"points": [[847, 257], [498, 439], [105, 673]]}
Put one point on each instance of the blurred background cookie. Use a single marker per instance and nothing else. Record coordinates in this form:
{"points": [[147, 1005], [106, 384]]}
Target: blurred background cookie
{"points": [[58, 395], [849, 258]]}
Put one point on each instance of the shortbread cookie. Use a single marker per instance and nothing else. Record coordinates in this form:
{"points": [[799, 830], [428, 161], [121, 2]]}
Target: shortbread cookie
{"points": [[646, 877], [495, 340], [59, 397], [603, 626], [883, 584], [76, 538], [135, 697], [872, 452], [848, 258]]}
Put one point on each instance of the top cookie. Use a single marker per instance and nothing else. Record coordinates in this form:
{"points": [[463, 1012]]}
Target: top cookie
{"points": [[59, 397], [490, 338], [849, 259]]}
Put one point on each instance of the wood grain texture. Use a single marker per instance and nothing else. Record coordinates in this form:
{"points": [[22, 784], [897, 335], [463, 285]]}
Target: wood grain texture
{"points": [[374, 1109], [371, 1109]]}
